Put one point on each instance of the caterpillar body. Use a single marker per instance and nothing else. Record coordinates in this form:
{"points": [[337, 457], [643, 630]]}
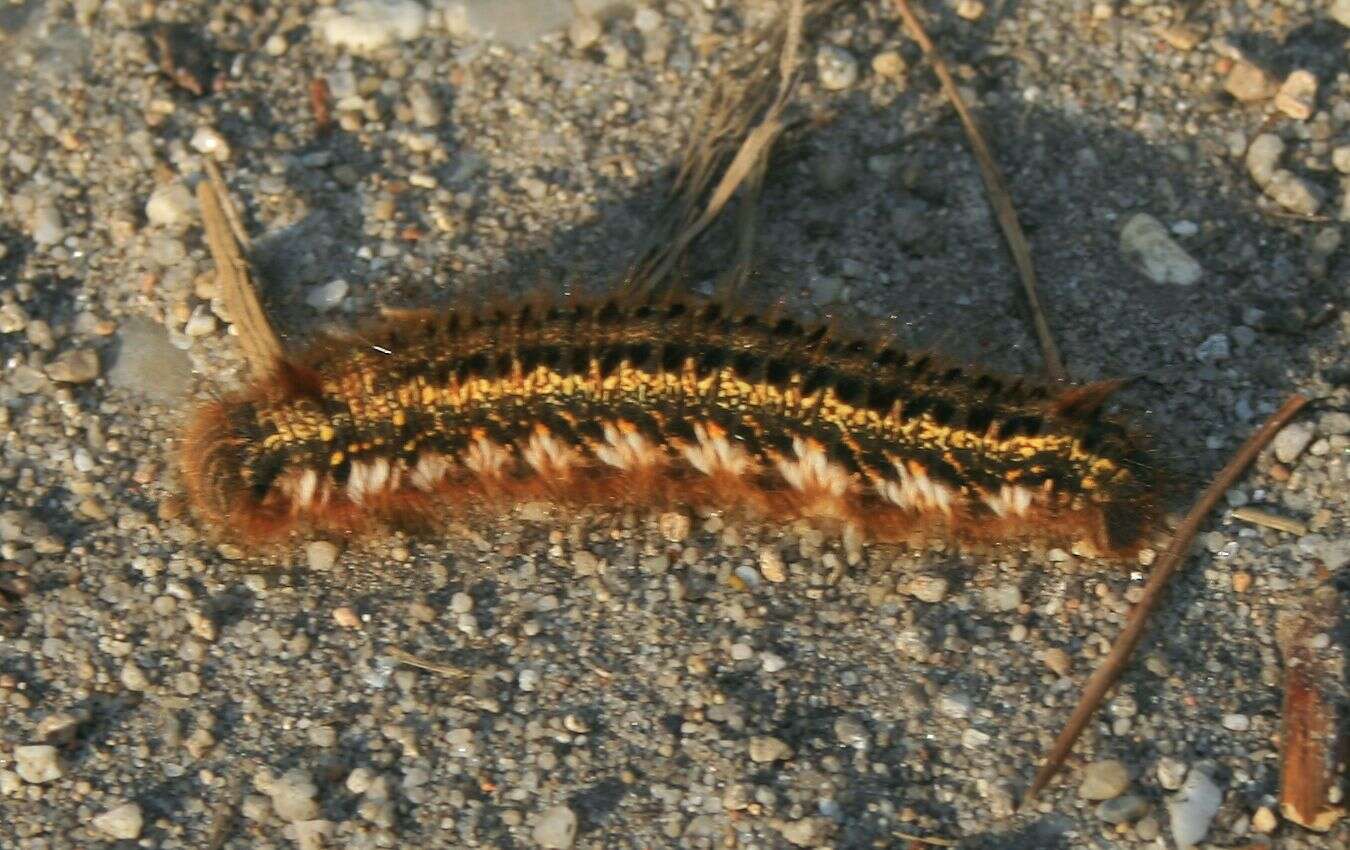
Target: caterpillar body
{"points": [[658, 401]]}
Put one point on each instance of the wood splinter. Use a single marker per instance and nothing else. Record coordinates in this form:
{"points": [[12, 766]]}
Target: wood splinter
{"points": [[1311, 758]]}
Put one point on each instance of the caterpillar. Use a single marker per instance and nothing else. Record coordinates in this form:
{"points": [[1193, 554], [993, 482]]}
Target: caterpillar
{"points": [[665, 399]]}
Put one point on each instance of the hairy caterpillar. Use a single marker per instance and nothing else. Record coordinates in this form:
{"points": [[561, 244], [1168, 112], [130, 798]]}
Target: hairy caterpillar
{"points": [[657, 400]]}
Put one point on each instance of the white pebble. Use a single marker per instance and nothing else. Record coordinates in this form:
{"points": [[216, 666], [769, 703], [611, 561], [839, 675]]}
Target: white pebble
{"points": [[363, 26], [123, 822], [38, 763], [326, 296], [836, 68], [1237, 722], [211, 143], [556, 828], [1147, 245], [171, 205], [321, 555]]}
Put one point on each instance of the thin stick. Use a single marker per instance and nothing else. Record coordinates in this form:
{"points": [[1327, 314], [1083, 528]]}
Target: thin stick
{"points": [[402, 656], [923, 839], [1109, 670], [994, 184], [228, 241], [1269, 520]]}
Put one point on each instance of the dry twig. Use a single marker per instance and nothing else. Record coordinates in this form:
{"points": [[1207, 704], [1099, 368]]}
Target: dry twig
{"points": [[1310, 758], [994, 184], [1109, 670], [1269, 520], [405, 657], [228, 242], [732, 137]]}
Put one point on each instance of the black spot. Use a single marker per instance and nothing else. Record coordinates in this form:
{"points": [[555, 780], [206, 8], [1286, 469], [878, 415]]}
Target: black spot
{"points": [[643, 312], [609, 314], [1123, 525], [591, 430], [917, 406], [673, 356], [918, 367], [889, 357], [675, 311], [819, 378], [777, 371], [817, 334], [747, 364], [950, 376], [265, 471], [1025, 425], [610, 360], [786, 328], [525, 318], [472, 366], [529, 359], [979, 418], [711, 358], [342, 471], [749, 321], [579, 360], [943, 411], [943, 472], [580, 314], [779, 441], [640, 354], [881, 398], [988, 384], [243, 420], [1099, 432], [560, 428], [710, 313], [682, 429], [550, 356], [841, 454], [1038, 393], [848, 390], [505, 362]]}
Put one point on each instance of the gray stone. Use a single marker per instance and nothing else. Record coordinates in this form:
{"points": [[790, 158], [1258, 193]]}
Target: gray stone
{"points": [[955, 705], [48, 228], [1126, 808], [1193, 808], [516, 23], [148, 364], [1147, 246], [556, 827], [1171, 773], [1104, 780], [1215, 349], [122, 822]]}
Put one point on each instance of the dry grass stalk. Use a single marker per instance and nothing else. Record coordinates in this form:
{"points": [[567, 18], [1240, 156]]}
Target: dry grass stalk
{"points": [[228, 243], [999, 198]]}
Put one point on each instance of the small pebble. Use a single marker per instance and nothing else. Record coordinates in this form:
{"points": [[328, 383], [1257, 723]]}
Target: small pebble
{"points": [[1215, 349], [364, 26], [1291, 441], [889, 64], [765, 748], [38, 763], [771, 565], [836, 68], [327, 296], [1127, 808], [1263, 157], [555, 828], [1104, 780], [1297, 96], [1171, 773], [122, 822], [1237, 722], [1147, 246], [293, 796], [971, 10], [1057, 660], [426, 109], [1264, 820], [321, 555], [929, 589], [1293, 192], [208, 141], [346, 617], [955, 705], [47, 228], [1248, 83], [74, 367], [171, 205]]}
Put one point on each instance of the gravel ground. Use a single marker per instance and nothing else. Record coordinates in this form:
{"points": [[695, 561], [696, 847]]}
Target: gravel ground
{"points": [[624, 679]]}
